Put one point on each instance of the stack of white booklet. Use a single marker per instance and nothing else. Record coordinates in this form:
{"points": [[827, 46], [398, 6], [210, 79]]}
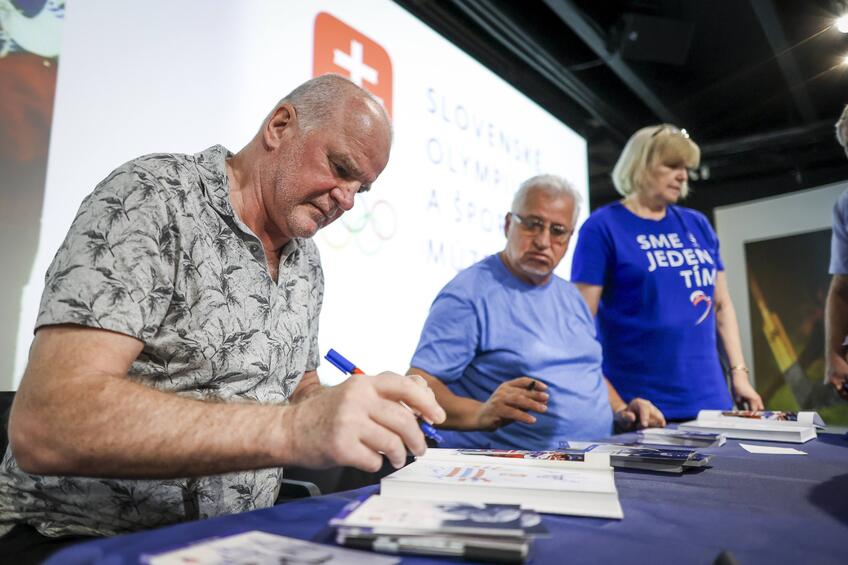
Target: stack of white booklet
{"points": [[793, 427], [478, 532], [685, 438], [560, 482]]}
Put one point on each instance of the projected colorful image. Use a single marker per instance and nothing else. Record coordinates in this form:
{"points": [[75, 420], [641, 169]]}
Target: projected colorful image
{"points": [[788, 282], [29, 49], [456, 161]]}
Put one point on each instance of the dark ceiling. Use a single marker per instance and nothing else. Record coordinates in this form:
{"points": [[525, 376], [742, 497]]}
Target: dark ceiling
{"points": [[757, 83]]}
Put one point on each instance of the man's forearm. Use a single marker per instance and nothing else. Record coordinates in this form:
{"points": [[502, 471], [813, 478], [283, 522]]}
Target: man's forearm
{"points": [[461, 411], [109, 426], [77, 413]]}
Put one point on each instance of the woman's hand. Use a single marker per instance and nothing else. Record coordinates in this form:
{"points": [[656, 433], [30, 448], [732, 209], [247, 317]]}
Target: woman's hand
{"points": [[743, 391]]}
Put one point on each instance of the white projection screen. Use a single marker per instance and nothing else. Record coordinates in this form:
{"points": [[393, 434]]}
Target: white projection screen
{"points": [[164, 76]]}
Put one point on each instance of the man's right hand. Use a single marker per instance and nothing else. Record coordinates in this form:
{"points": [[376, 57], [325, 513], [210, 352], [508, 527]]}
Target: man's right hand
{"points": [[357, 422], [836, 373], [511, 402]]}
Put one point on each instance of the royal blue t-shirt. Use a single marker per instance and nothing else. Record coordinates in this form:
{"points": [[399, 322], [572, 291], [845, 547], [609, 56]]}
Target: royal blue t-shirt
{"points": [[487, 327], [656, 317]]}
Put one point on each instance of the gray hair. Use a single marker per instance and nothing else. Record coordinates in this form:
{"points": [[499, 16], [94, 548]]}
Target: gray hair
{"points": [[841, 126], [552, 185], [319, 98]]}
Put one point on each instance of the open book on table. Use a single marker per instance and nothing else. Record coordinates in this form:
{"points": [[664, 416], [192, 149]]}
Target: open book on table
{"points": [[582, 485]]}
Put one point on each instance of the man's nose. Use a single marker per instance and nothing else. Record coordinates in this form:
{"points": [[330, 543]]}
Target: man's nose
{"points": [[542, 239], [344, 193]]}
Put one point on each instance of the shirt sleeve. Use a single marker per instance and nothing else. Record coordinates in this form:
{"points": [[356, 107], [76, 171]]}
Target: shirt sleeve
{"points": [[839, 239], [449, 339], [115, 269], [316, 297], [592, 255]]}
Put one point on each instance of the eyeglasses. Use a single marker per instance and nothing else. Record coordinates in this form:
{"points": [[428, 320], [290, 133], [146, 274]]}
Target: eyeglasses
{"points": [[535, 226], [672, 130]]}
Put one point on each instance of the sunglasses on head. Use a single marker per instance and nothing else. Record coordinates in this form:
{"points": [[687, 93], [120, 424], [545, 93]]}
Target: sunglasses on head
{"points": [[674, 130]]}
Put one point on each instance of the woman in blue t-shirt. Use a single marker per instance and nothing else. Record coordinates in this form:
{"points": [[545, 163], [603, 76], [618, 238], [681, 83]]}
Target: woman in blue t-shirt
{"points": [[652, 274]]}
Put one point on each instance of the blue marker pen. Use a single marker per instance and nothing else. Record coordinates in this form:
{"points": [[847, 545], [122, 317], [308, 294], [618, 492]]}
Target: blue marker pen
{"points": [[345, 366]]}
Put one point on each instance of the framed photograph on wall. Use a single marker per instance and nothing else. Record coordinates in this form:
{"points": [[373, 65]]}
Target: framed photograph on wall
{"points": [[776, 253]]}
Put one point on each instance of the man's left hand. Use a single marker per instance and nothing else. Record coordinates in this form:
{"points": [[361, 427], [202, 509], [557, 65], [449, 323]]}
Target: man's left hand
{"points": [[640, 413]]}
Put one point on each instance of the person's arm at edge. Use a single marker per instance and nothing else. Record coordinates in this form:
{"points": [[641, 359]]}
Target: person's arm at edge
{"points": [[728, 330], [591, 293], [836, 328], [76, 413]]}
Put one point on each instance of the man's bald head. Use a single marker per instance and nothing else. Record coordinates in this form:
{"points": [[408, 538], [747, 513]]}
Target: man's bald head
{"points": [[318, 100], [323, 143]]}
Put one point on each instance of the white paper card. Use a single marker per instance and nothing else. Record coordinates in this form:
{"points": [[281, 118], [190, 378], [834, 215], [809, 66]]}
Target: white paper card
{"points": [[262, 548], [771, 450]]}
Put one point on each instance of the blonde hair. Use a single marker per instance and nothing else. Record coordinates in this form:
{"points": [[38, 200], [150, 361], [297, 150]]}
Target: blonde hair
{"points": [[663, 143]]}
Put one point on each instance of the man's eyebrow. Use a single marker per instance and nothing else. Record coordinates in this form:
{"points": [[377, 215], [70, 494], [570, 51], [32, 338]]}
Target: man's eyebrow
{"points": [[353, 170], [349, 164]]}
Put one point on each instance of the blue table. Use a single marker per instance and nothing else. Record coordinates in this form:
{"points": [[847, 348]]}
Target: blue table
{"points": [[761, 508]]}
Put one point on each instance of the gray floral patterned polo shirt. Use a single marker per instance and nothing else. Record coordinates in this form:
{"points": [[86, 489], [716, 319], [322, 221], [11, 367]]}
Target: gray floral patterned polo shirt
{"points": [[156, 252]]}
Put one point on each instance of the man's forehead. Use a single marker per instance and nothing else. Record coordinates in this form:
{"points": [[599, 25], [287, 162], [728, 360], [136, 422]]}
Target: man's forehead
{"points": [[540, 203]]}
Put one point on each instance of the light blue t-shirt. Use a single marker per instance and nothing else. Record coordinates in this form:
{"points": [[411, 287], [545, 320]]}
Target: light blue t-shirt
{"points": [[839, 240], [656, 316], [487, 327]]}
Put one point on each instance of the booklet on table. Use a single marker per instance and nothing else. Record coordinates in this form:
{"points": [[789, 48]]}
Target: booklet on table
{"points": [[581, 488], [767, 426]]}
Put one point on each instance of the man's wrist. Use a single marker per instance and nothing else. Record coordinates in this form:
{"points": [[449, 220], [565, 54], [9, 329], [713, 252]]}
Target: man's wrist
{"points": [[473, 419], [282, 437], [620, 407]]}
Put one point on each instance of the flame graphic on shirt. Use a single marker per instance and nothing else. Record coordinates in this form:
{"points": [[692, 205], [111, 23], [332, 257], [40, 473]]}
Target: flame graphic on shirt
{"points": [[696, 298]]}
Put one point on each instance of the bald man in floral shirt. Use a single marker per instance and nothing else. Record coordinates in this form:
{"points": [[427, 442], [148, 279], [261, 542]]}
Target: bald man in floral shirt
{"points": [[173, 371]]}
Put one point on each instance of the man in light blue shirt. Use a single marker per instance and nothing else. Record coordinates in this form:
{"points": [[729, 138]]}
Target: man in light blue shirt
{"points": [[509, 348]]}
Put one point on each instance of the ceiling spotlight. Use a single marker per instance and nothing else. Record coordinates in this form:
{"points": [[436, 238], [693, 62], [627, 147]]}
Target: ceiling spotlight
{"points": [[841, 23]]}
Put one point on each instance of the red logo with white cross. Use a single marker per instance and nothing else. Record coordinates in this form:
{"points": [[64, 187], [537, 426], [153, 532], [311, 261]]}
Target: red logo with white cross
{"points": [[340, 49]]}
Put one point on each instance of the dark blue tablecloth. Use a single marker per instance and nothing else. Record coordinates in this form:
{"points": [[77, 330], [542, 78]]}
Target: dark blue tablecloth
{"points": [[761, 508]]}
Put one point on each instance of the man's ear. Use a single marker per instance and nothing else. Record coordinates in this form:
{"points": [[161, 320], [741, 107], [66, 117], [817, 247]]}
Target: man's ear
{"points": [[281, 121], [507, 221]]}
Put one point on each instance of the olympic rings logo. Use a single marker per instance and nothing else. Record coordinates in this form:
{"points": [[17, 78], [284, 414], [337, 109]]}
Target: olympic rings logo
{"points": [[367, 226]]}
